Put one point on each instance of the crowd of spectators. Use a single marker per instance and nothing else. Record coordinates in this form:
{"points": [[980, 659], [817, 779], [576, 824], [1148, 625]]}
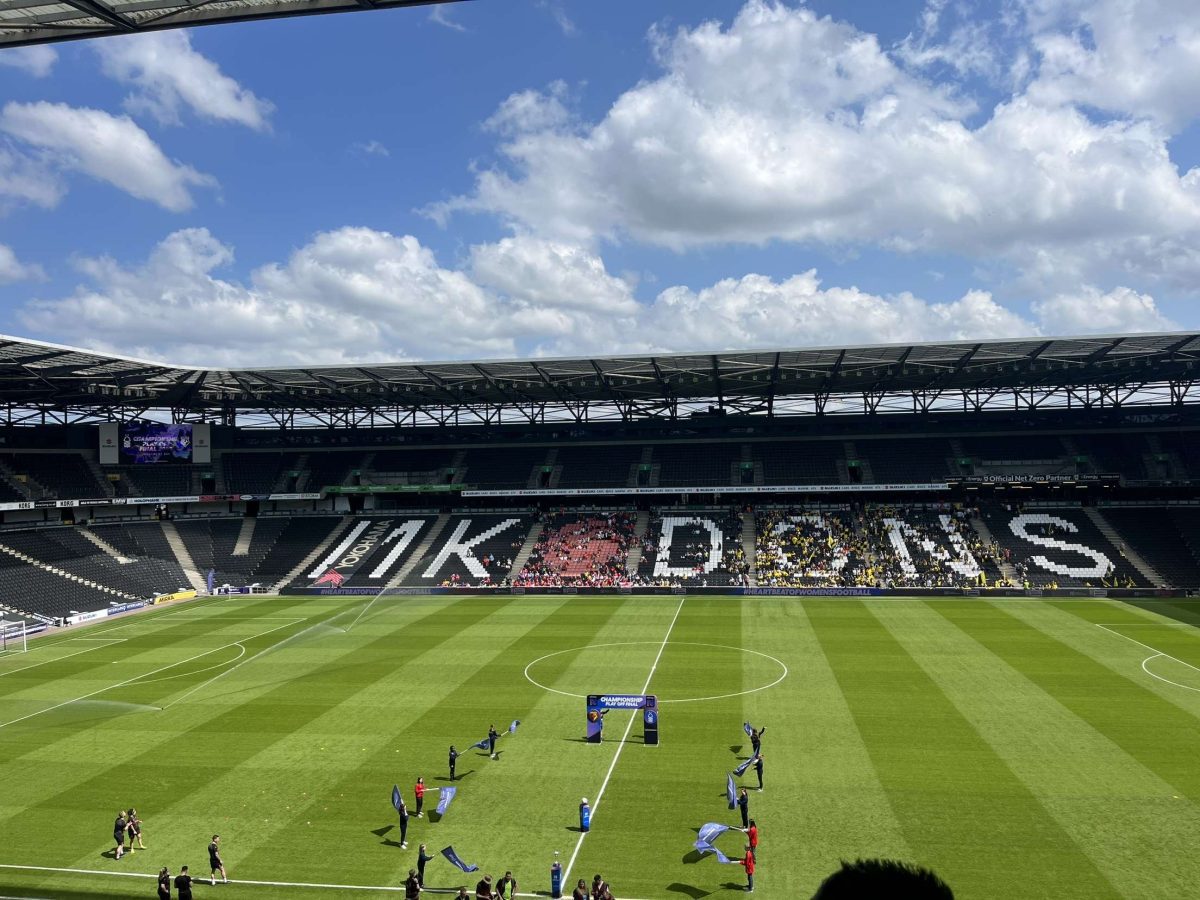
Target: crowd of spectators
{"points": [[691, 548], [873, 546], [581, 549]]}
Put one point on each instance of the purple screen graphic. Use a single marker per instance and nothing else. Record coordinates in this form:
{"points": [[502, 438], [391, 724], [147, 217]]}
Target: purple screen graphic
{"points": [[154, 442]]}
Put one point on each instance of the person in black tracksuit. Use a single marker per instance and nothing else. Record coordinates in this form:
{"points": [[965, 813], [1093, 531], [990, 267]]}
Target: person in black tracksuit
{"points": [[492, 735], [403, 811], [744, 806], [422, 858], [119, 828], [758, 767], [756, 739], [164, 884], [453, 760]]}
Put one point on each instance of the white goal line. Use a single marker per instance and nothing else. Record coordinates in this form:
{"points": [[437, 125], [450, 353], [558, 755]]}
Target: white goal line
{"points": [[288, 884]]}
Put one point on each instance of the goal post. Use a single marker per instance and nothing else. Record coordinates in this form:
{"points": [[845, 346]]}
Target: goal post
{"points": [[13, 637]]}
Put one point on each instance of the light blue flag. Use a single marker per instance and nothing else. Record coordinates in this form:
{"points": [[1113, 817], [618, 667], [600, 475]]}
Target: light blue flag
{"points": [[513, 727], [445, 795], [731, 792], [397, 800], [710, 831], [455, 860], [749, 731], [741, 770]]}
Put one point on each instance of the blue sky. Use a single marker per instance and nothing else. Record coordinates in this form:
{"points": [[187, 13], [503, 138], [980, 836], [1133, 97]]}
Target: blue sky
{"points": [[548, 177]]}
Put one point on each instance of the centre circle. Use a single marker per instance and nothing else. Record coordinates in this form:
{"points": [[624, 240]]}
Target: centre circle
{"points": [[780, 668]]}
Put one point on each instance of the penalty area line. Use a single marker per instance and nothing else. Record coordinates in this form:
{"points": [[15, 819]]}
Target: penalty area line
{"points": [[200, 882], [624, 738]]}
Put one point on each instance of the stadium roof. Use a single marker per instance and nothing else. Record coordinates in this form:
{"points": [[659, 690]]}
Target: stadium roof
{"points": [[25, 22], [45, 382]]}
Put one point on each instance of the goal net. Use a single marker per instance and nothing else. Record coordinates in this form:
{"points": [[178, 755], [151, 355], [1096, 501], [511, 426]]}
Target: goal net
{"points": [[13, 637]]}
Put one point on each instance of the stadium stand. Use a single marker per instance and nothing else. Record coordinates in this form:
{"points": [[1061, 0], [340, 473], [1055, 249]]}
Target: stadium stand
{"points": [[800, 462], [252, 473], [580, 549], [799, 548], [604, 467], [371, 552], [473, 550], [502, 467], [1050, 546], [155, 480], [696, 465], [907, 460], [1168, 538], [55, 476], [693, 548]]}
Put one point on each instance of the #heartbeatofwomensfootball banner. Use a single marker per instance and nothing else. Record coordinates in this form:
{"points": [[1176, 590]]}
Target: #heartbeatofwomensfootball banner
{"points": [[455, 860]]}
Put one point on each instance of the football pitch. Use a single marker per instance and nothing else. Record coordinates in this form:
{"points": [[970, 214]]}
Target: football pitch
{"points": [[1020, 748]]}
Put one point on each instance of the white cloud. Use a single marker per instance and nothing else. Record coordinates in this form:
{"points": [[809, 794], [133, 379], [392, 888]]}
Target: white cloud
{"points": [[355, 295], [564, 22], [1140, 59], [1090, 310], [440, 15], [109, 148], [370, 148], [12, 269], [785, 126], [168, 74], [37, 61], [26, 180]]}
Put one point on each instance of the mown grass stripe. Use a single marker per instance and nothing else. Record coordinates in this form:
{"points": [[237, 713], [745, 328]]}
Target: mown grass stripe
{"points": [[962, 809], [1151, 729], [1058, 756]]}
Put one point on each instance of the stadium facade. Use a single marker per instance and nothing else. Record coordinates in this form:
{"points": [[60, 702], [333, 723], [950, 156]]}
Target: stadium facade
{"points": [[1040, 465]]}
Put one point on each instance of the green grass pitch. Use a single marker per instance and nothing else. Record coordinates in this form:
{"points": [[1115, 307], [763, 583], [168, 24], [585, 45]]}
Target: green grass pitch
{"points": [[1021, 748]]}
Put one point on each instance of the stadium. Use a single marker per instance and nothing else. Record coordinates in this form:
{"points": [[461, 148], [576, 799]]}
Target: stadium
{"points": [[654, 625], [896, 557]]}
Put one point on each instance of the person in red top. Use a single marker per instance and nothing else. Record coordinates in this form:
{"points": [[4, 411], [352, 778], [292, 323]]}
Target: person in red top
{"points": [[752, 836], [419, 790], [748, 864]]}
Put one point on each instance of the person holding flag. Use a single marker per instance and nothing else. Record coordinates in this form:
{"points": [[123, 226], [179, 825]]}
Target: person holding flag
{"points": [[491, 740], [744, 806], [756, 739], [419, 792], [758, 769], [752, 836], [453, 760], [748, 865]]}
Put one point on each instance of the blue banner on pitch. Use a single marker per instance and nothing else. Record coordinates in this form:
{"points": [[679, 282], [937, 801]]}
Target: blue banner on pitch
{"points": [[455, 860], [445, 795], [741, 770]]}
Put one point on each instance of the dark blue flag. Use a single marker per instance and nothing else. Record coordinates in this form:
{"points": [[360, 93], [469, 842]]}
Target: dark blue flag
{"points": [[455, 860], [445, 795], [398, 801], [741, 770], [480, 745], [749, 731], [731, 792]]}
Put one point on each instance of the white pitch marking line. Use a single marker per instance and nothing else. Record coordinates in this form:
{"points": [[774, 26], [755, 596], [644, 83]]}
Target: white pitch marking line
{"points": [[1153, 650], [624, 737], [778, 662], [200, 881], [46, 662], [1161, 678], [131, 680]]}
